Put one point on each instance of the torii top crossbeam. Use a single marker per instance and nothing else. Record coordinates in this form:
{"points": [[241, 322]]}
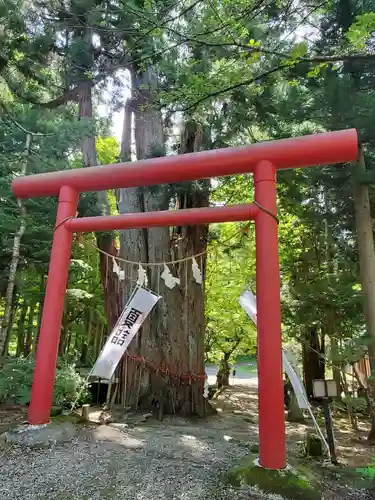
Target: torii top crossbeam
{"points": [[311, 150]]}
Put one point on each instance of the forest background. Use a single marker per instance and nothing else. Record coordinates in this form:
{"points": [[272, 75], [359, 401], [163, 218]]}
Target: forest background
{"points": [[91, 82]]}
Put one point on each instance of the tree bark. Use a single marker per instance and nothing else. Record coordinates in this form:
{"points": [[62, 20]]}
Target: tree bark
{"points": [[30, 329], [10, 327], [4, 326], [64, 332], [21, 331], [362, 384], [87, 341], [40, 310], [222, 377], [172, 341], [365, 242], [313, 358], [126, 138], [331, 326], [336, 366], [110, 283]]}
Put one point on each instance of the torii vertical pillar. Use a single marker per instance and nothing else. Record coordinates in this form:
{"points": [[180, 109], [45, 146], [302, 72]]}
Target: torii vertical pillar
{"points": [[270, 375], [45, 365]]}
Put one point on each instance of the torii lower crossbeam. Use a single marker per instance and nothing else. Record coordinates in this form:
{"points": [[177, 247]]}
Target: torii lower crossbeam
{"points": [[262, 160]]}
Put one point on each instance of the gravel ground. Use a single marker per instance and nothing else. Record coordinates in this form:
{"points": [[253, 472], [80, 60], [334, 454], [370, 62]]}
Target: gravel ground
{"points": [[155, 461], [149, 462], [175, 459]]}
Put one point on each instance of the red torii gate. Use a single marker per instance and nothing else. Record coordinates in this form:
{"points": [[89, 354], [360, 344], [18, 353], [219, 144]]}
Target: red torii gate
{"points": [[262, 160]]}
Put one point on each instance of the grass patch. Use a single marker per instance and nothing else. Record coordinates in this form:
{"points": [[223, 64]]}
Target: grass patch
{"points": [[368, 473], [249, 369]]}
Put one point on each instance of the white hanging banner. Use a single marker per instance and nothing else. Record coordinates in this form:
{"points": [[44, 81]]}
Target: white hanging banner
{"points": [[249, 305], [298, 387], [130, 321]]}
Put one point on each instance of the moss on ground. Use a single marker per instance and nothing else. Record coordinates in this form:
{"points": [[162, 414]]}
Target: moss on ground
{"points": [[294, 483], [71, 417]]}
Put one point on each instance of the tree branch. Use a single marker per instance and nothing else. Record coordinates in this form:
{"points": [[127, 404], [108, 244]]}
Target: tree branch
{"points": [[316, 59], [233, 87], [69, 95], [262, 50], [19, 126]]}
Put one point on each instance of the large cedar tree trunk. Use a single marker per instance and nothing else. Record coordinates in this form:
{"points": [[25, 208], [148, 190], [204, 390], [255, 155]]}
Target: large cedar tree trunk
{"points": [[172, 342], [110, 283], [365, 241]]}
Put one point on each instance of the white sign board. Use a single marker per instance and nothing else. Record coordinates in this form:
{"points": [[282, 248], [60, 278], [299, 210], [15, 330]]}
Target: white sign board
{"points": [[323, 388], [130, 321]]}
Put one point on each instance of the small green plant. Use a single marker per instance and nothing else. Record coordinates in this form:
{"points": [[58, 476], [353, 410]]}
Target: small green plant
{"points": [[368, 472], [16, 376], [69, 385], [358, 404], [313, 446], [15, 380]]}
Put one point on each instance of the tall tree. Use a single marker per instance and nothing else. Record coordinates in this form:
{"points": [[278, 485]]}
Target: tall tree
{"points": [[367, 268]]}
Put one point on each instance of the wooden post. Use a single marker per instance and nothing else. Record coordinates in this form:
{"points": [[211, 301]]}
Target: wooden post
{"points": [[86, 412], [329, 428]]}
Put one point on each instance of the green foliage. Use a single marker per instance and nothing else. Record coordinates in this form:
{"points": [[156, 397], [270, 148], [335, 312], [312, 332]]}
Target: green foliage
{"points": [[69, 387], [358, 404], [16, 377], [108, 150], [368, 472], [15, 381], [299, 50], [361, 31], [240, 71], [230, 268], [52, 151]]}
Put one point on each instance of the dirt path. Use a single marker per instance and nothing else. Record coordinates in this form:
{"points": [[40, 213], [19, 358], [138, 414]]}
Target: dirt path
{"points": [[353, 448], [245, 374], [11, 415], [175, 459]]}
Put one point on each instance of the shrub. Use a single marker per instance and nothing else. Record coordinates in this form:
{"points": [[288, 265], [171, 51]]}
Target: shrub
{"points": [[16, 376], [368, 472], [69, 385]]}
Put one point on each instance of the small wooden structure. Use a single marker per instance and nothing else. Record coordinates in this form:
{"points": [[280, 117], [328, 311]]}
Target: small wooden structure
{"points": [[363, 370], [364, 366]]}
